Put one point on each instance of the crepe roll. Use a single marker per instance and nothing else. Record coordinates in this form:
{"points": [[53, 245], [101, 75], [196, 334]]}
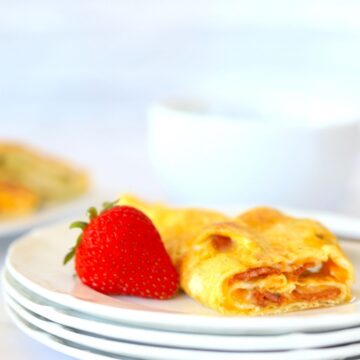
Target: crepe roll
{"points": [[178, 227], [264, 262], [261, 262]]}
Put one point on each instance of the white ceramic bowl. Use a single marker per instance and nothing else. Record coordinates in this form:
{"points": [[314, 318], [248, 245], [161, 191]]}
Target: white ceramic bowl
{"points": [[298, 154]]}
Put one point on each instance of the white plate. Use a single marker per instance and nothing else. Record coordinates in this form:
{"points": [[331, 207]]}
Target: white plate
{"points": [[97, 326], [140, 351], [35, 261], [61, 345], [13, 227]]}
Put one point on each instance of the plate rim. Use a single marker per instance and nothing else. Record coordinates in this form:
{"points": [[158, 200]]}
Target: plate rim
{"points": [[53, 342], [317, 353]]}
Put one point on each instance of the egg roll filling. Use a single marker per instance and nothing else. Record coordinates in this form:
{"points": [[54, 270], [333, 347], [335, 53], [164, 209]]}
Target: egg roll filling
{"points": [[266, 286]]}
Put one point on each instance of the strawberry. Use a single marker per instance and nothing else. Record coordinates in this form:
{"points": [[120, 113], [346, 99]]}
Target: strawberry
{"points": [[120, 252]]}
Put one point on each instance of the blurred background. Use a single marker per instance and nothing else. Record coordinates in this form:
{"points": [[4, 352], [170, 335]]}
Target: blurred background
{"points": [[77, 77]]}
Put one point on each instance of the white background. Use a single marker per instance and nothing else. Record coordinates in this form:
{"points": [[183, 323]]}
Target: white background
{"points": [[76, 77]]}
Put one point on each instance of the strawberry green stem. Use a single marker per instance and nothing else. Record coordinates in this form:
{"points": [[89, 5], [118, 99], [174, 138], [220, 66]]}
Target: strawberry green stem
{"points": [[108, 205], [79, 225], [92, 213]]}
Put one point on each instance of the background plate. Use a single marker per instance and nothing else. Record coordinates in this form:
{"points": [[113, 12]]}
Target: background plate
{"points": [[16, 226]]}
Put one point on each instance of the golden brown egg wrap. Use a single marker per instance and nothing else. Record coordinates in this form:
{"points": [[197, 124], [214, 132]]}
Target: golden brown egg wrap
{"points": [[262, 262], [178, 227]]}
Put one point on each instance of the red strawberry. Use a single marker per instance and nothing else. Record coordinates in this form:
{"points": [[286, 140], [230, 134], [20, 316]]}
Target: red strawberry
{"points": [[121, 252]]}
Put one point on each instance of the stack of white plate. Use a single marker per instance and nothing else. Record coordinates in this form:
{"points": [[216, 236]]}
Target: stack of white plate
{"points": [[47, 302]]}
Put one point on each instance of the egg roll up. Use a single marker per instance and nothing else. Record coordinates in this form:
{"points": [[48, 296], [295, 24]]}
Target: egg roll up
{"points": [[261, 262]]}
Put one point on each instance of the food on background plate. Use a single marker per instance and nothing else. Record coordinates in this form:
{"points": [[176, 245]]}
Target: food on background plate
{"points": [[41, 177], [261, 262], [16, 200], [120, 252]]}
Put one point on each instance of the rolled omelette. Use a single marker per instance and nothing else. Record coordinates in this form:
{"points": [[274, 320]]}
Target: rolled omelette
{"points": [[177, 227], [261, 262]]}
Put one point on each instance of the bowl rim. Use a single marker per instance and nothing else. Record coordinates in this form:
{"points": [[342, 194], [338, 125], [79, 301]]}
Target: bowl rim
{"points": [[176, 108]]}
